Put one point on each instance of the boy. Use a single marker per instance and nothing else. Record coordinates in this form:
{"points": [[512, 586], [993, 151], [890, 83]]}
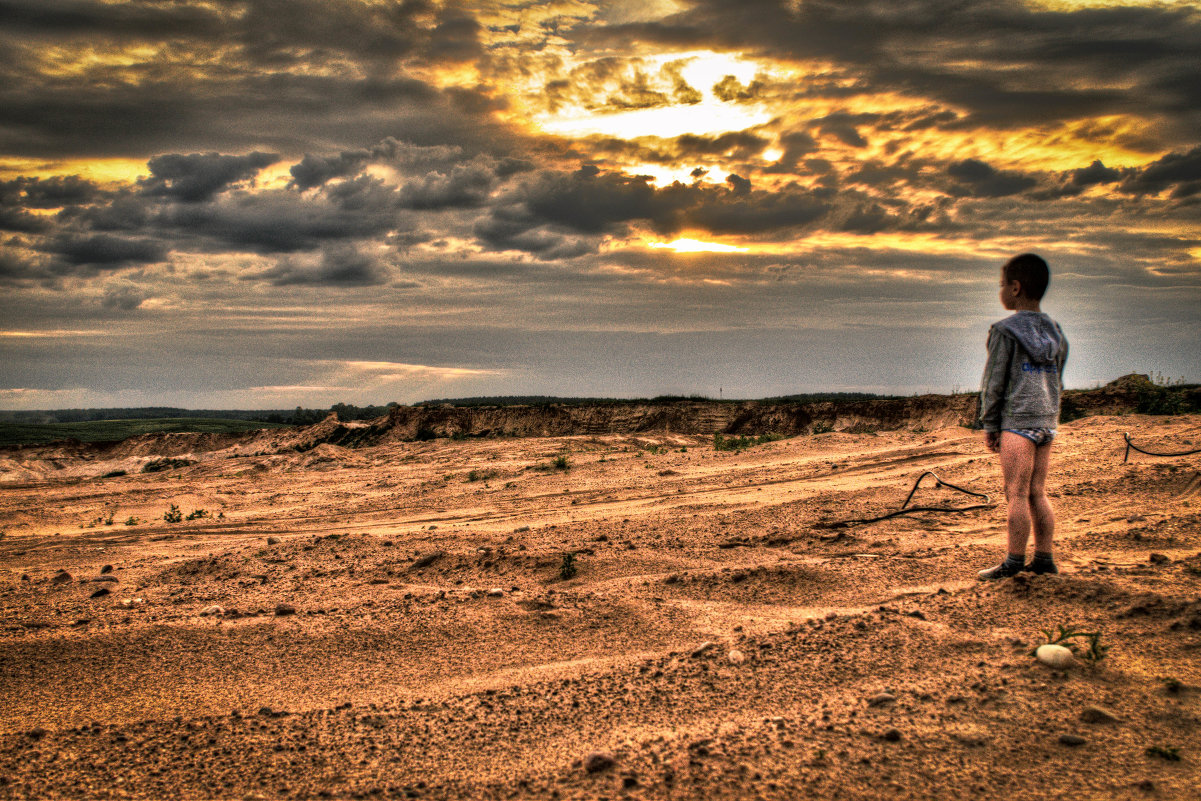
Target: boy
{"points": [[1019, 410]]}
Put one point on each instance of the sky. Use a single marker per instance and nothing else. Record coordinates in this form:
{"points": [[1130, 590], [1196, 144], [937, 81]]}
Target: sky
{"points": [[272, 203]]}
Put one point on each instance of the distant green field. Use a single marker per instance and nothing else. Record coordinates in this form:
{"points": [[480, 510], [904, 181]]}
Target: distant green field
{"points": [[113, 430]]}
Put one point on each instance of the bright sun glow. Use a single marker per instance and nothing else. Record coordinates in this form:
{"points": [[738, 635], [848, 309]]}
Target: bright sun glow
{"points": [[701, 69], [697, 246]]}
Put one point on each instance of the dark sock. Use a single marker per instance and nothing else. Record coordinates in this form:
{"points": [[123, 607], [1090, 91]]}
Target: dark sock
{"points": [[1014, 561], [1043, 562]]}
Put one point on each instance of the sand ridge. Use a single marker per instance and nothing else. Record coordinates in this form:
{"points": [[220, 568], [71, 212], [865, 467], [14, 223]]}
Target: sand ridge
{"points": [[393, 621]]}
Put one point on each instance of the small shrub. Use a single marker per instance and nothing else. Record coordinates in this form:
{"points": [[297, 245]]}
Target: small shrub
{"points": [[481, 475], [173, 515], [561, 463], [821, 427], [132, 521], [724, 443], [1169, 752], [1069, 409], [1096, 651], [567, 568], [1159, 400], [198, 514], [424, 434]]}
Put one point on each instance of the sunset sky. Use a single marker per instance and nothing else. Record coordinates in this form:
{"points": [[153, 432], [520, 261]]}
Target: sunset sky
{"points": [[272, 203]]}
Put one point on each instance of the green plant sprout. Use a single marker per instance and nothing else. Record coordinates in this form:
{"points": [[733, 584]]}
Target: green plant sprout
{"points": [[567, 568], [173, 515], [1096, 651]]}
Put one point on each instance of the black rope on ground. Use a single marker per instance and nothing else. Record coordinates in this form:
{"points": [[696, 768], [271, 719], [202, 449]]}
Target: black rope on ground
{"points": [[1130, 445], [907, 509]]}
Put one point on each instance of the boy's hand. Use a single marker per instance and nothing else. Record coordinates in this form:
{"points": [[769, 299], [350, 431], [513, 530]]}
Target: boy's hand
{"points": [[992, 439]]}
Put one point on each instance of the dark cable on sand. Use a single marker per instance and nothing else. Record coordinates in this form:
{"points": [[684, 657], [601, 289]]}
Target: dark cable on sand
{"points": [[907, 509], [1130, 445]]}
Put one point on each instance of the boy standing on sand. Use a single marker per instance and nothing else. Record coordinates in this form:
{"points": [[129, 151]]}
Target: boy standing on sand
{"points": [[1019, 410]]}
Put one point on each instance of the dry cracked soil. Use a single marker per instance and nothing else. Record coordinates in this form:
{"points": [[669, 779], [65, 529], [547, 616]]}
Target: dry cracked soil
{"points": [[644, 617]]}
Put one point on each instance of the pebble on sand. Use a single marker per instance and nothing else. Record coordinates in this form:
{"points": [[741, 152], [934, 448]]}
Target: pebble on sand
{"points": [[106, 569], [891, 735], [272, 541], [703, 649], [496, 592], [100, 593], [61, 577], [596, 761], [1055, 656], [736, 657], [213, 610], [285, 609], [880, 699], [1072, 739], [1097, 714]]}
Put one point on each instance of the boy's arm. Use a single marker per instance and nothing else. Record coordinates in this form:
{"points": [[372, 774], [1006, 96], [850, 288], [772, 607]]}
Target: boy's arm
{"points": [[996, 378]]}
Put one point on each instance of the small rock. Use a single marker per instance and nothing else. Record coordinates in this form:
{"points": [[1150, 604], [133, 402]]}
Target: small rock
{"points": [[61, 577], [100, 593], [106, 569], [25, 577], [213, 610], [1097, 714], [428, 559], [285, 609], [1055, 656], [1072, 739], [736, 657], [521, 529], [1159, 558], [880, 699], [596, 761], [703, 649], [971, 736], [272, 541], [129, 603], [891, 735], [496, 592]]}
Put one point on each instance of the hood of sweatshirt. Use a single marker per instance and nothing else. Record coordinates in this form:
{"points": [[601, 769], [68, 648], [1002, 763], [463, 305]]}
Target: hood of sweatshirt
{"points": [[1038, 334]]}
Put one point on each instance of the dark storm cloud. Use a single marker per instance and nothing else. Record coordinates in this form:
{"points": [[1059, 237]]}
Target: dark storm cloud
{"points": [[339, 265], [1180, 172], [105, 250], [49, 193], [1073, 63], [292, 73], [316, 170], [199, 176], [979, 179], [281, 221], [592, 203], [462, 186]]}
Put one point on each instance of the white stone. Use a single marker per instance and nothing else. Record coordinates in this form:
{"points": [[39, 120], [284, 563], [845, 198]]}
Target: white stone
{"points": [[1055, 656], [736, 657]]}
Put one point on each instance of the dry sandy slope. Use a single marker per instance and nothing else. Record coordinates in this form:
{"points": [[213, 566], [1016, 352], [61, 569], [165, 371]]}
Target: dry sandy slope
{"points": [[400, 675]]}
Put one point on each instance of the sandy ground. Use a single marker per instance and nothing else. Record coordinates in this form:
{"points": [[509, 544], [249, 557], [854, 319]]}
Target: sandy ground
{"points": [[392, 622]]}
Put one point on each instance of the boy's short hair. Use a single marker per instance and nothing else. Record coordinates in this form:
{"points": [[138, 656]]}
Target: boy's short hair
{"points": [[1031, 272]]}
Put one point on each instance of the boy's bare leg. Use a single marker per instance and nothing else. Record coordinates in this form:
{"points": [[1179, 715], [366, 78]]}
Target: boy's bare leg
{"points": [[1018, 458], [1043, 516]]}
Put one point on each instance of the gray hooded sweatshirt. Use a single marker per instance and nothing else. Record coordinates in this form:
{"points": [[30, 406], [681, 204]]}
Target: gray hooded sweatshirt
{"points": [[1024, 375]]}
